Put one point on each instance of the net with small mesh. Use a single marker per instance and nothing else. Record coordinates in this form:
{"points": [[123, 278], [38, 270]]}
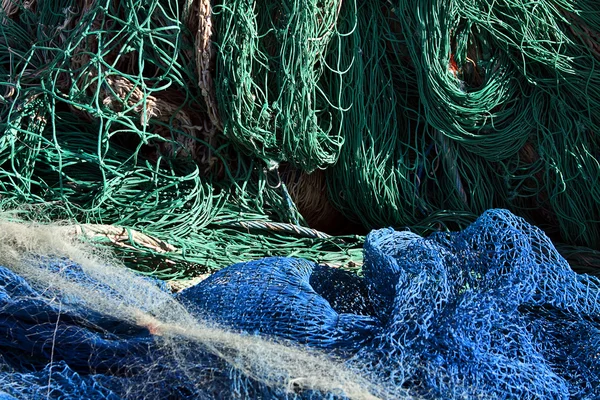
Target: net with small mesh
{"points": [[490, 312]]}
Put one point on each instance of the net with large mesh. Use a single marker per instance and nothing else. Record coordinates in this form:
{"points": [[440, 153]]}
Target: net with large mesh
{"points": [[232, 129], [490, 312]]}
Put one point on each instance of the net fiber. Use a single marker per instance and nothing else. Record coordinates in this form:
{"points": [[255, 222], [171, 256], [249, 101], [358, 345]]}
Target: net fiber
{"points": [[75, 324], [103, 120], [456, 107], [490, 312], [207, 124]]}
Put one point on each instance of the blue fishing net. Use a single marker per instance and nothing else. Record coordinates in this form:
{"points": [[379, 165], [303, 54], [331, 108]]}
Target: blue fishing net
{"points": [[53, 345], [493, 312]]}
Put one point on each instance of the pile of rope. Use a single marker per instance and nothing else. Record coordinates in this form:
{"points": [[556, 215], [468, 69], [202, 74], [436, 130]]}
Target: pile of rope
{"points": [[238, 129]]}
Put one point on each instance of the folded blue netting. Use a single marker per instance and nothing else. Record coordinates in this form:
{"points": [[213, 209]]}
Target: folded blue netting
{"points": [[492, 312]]}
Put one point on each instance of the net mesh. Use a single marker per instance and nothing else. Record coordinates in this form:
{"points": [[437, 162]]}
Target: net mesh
{"points": [[198, 134], [204, 124], [92, 329], [493, 311], [109, 117]]}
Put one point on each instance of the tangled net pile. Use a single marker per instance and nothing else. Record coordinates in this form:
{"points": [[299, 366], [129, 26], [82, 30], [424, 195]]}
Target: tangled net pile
{"points": [[490, 312], [108, 118], [77, 325], [465, 106], [236, 129], [193, 135]]}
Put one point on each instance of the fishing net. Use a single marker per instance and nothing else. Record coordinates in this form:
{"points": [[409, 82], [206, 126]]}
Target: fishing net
{"points": [[272, 94], [493, 311], [193, 135], [76, 324], [205, 125], [456, 107], [108, 119]]}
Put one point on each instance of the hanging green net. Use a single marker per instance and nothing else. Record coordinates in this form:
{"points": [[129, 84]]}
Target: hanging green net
{"points": [[271, 88]]}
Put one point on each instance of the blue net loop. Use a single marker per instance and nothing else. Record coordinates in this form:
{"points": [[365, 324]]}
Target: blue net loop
{"points": [[282, 297]]}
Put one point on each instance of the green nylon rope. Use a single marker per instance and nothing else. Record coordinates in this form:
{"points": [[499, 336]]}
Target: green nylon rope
{"points": [[271, 95], [457, 107]]}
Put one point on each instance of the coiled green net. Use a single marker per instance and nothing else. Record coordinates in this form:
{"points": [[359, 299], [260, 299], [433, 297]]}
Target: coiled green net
{"points": [[236, 129]]}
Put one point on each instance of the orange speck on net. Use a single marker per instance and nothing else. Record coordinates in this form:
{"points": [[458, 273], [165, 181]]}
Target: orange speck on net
{"points": [[452, 65]]}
